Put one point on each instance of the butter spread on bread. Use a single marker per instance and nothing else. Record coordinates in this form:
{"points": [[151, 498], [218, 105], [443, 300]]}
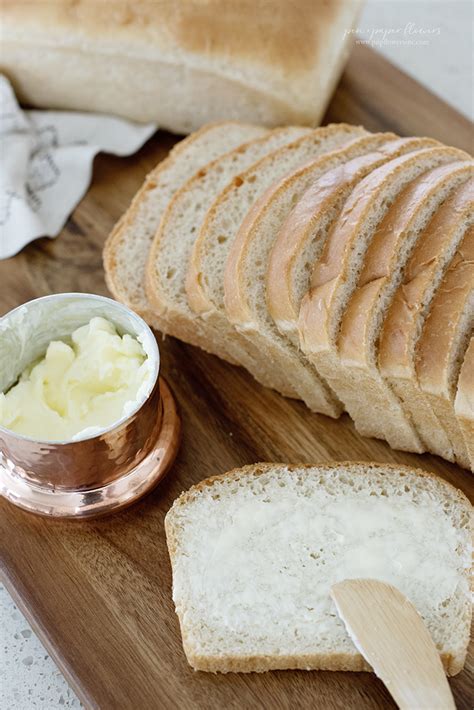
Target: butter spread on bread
{"points": [[255, 551]]}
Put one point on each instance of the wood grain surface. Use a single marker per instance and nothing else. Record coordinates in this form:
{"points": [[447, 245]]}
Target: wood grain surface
{"points": [[99, 593]]}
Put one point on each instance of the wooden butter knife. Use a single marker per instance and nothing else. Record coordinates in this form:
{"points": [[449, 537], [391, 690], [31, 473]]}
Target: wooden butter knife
{"points": [[391, 635]]}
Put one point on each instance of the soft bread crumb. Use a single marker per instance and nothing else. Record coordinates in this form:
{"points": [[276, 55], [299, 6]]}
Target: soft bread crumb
{"points": [[127, 248], [255, 551]]}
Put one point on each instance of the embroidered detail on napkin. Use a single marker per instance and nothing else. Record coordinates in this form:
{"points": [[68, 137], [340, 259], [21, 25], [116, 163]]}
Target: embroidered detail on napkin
{"points": [[46, 165]]}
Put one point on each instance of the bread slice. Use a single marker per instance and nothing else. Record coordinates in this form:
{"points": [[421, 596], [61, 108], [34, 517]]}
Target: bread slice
{"points": [[336, 272], [205, 279], [382, 272], [464, 402], [246, 267], [300, 240], [126, 249], [255, 551], [169, 253], [443, 344], [411, 303]]}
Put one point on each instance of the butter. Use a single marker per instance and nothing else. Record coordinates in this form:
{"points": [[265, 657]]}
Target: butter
{"points": [[255, 567], [80, 387]]}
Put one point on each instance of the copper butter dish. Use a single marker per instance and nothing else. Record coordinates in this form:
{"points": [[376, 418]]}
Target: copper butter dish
{"points": [[104, 470]]}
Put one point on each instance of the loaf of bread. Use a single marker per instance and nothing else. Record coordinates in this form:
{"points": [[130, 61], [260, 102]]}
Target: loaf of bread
{"points": [[179, 63], [254, 553], [316, 259]]}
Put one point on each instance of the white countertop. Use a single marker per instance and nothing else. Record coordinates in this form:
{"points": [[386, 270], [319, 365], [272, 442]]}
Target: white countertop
{"points": [[431, 40], [29, 679]]}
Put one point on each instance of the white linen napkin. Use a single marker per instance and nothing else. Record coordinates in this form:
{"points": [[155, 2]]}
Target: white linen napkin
{"points": [[46, 165]]}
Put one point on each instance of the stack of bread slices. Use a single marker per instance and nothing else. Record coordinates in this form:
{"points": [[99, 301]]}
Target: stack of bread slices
{"points": [[334, 264]]}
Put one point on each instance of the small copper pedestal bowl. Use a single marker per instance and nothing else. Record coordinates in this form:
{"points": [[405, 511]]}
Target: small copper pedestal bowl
{"points": [[102, 472]]}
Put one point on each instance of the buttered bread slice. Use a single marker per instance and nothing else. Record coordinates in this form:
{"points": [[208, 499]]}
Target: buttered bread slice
{"points": [[255, 552]]}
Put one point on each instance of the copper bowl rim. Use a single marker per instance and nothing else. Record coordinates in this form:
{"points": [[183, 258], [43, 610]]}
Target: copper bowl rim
{"points": [[150, 389]]}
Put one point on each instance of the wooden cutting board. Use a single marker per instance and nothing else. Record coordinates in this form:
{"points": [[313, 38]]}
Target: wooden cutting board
{"points": [[99, 593]]}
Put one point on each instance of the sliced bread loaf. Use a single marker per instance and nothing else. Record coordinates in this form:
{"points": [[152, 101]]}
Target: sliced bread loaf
{"points": [[205, 278], [246, 267], [411, 303], [385, 259], [169, 253], [254, 553], [127, 247], [443, 344], [336, 273], [464, 402], [302, 236]]}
